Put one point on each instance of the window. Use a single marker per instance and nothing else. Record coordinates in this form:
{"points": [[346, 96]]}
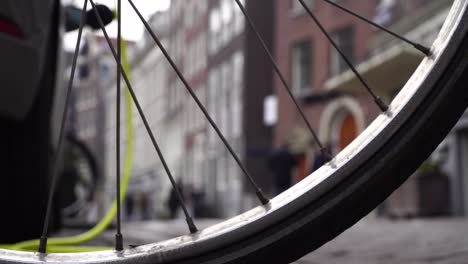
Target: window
{"points": [[215, 28], [213, 102], [213, 87], [344, 39], [238, 69], [226, 8], [302, 66], [298, 9], [226, 11], [384, 12], [226, 20], [239, 19], [237, 92], [226, 81]]}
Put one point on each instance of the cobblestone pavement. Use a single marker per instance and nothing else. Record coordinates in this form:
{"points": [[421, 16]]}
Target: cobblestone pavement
{"points": [[371, 241]]}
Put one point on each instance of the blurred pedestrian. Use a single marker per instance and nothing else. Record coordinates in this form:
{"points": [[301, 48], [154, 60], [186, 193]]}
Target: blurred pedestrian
{"points": [[129, 206], [320, 158], [145, 207], [282, 162], [173, 202]]}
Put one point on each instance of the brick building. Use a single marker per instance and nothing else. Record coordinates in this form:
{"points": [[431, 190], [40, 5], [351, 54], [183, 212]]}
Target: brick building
{"points": [[334, 100], [308, 61]]}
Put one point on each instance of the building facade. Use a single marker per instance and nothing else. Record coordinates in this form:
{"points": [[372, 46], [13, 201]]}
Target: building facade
{"points": [[308, 61], [145, 197], [239, 79], [210, 43], [188, 48], [333, 98], [221, 60]]}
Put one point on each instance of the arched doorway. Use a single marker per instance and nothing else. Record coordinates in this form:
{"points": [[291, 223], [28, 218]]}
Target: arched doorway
{"points": [[347, 131], [341, 122]]}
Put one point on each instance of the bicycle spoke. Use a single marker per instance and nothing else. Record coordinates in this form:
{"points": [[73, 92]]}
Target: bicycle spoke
{"points": [[323, 150], [258, 191], [189, 219], [420, 47], [118, 235], [43, 240], [378, 101]]}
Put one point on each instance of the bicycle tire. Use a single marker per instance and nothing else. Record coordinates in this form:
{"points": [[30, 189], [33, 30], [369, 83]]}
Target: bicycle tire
{"points": [[337, 195]]}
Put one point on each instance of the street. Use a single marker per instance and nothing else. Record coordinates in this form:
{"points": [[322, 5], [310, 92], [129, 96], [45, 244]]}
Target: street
{"points": [[368, 242]]}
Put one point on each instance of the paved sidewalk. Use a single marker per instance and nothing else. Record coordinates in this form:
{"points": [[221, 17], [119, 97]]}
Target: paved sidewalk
{"points": [[371, 241], [395, 242]]}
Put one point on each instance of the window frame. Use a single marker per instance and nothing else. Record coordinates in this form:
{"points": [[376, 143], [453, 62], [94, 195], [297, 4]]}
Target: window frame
{"points": [[296, 81], [336, 64]]}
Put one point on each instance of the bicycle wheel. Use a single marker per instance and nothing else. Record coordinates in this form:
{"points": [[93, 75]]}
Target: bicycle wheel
{"points": [[339, 193], [78, 189]]}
